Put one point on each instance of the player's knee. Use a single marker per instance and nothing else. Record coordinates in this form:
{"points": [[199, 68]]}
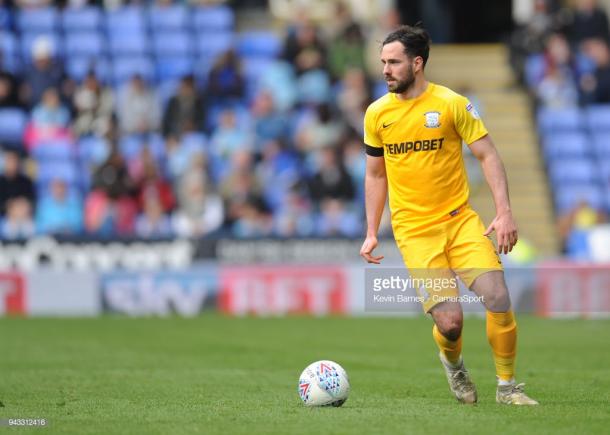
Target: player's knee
{"points": [[498, 302], [451, 327]]}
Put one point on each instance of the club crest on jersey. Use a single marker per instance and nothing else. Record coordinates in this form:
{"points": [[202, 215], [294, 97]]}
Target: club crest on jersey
{"points": [[432, 119]]}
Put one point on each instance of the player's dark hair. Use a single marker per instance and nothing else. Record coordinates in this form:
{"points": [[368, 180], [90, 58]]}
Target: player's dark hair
{"points": [[415, 40]]}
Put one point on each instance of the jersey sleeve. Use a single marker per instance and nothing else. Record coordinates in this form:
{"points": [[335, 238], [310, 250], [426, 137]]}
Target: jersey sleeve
{"points": [[372, 141], [467, 121]]}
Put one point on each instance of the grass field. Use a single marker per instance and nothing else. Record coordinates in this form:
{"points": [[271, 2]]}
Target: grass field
{"points": [[238, 376]]}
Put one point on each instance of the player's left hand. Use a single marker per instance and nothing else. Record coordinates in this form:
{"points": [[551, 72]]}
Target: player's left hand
{"points": [[506, 231]]}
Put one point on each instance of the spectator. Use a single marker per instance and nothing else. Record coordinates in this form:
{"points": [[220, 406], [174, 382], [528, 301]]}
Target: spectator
{"points": [[200, 209], [94, 105], [293, 218], [574, 224], [138, 110], [269, 124], [112, 177], [332, 179], [347, 51], [304, 49], [229, 137], [18, 223], [335, 220], [226, 82], [185, 110], [254, 220], [152, 185], [180, 152], [588, 21], [50, 120], [387, 23], [323, 129], [9, 90], [44, 73], [353, 98], [13, 183], [596, 86], [153, 223], [59, 212], [277, 171]]}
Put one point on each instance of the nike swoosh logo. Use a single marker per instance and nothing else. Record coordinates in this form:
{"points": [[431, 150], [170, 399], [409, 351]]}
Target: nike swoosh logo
{"points": [[387, 125]]}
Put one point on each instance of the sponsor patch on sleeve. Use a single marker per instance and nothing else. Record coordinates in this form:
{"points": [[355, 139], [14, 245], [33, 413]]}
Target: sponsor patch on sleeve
{"points": [[473, 112]]}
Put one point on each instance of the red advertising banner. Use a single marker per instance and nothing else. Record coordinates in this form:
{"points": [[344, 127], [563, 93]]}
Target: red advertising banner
{"points": [[278, 290], [573, 289], [12, 294]]}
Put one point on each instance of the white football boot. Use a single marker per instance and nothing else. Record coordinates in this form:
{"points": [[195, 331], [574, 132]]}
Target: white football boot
{"points": [[513, 394], [459, 380]]}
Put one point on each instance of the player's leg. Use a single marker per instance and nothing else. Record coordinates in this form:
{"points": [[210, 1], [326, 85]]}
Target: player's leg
{"points": [[502, 335], [447, 332]]}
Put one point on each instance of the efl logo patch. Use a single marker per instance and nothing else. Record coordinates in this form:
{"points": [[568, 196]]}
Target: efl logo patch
{"points": [[432, 119], [473, 112]]}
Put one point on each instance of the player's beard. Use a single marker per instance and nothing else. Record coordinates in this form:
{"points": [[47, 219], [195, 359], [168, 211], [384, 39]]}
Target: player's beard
{"points": [[401, 86]]}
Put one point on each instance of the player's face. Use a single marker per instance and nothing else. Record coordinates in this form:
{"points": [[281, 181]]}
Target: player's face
{"points": [[398, 68]]}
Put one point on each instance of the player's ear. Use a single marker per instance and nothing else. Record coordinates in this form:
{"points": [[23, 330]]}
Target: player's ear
{"points": [[418, 63]]}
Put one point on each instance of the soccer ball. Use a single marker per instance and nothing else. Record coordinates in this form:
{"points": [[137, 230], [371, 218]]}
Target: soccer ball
{"points": [[323, 383]]}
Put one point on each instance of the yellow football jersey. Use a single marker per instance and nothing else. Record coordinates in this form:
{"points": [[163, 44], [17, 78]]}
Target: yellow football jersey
{"points": [[421, 142]]}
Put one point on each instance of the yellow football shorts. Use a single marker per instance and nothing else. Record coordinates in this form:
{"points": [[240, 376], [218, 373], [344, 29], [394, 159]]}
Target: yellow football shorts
{"points": [[453, 246]]}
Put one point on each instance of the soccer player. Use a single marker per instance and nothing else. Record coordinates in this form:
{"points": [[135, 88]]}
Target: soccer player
{"points": [[413, 137]]}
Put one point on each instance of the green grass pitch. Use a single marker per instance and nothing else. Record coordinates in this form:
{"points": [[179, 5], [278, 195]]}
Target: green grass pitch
{"points": [[227, 376]]}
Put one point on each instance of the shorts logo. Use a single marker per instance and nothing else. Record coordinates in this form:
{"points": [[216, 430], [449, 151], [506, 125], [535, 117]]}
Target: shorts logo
{"points": [[473, 112], [432, 119]]}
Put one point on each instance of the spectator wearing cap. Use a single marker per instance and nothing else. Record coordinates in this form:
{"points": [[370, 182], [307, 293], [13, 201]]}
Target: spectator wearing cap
{"points": [[44, 73]]}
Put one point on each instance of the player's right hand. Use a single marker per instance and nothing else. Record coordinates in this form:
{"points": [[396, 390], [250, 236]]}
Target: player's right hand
{"points": [[366, 252]]}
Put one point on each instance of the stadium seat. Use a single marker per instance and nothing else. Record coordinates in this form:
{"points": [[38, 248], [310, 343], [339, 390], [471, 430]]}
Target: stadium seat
{"points": [[9, 49], [128, 19], [131, 146], [78, 67], [53, 151], [259, 44], [124, 68], [555, 120], [84, 44], [83, 19], [12, 125], [173, 68], [175, 17], [213, 18], [52, 170], [601, 143], [210, 45], [534, 70], [567, 145], [567, 196], [172, 44], [128, 44], [598, 118], [38, 20], [575, 170]]}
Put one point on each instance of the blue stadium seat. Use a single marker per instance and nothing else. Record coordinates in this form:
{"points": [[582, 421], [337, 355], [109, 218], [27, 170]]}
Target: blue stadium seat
{"points": [[9, 49], [84, 19], [259, 44], [165, 90], [128, 44], [131, 146], [598, 118], [92, 150], [124, 68], [12, 125], [567, 145], [174, 68], [53, 151], [52, 170], [172, 44], [78, 67], [534, 69], [38, 20], [174, 17], [213, 18], [194, 142], [84, 44], [128, 19], [601, 143], [568, 196], [210, 45], [555, 120], [575, 170]]}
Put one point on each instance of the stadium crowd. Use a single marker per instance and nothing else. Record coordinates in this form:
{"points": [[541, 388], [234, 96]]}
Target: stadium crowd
{"points": [[259, 138], [562, 56]]}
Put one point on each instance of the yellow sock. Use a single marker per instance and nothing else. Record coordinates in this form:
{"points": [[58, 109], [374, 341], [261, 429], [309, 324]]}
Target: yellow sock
{"points": [[502, 336], [451, 350]]}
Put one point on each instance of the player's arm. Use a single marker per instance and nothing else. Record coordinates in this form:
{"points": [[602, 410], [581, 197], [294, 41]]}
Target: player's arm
{"points": [[375, 194], [503, 224]]}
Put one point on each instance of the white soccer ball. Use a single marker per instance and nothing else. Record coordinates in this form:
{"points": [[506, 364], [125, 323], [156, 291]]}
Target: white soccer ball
{"points": [[323, 383]]}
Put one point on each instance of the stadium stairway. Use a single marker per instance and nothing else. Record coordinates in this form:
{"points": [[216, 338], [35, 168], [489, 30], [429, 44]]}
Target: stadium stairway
{"points": [[483, 71]]}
